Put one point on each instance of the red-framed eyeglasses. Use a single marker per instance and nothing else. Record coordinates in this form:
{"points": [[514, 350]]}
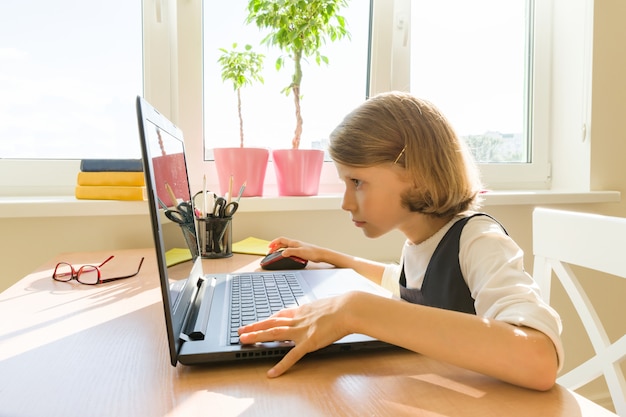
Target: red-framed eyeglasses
{"points": [[87, 274]]}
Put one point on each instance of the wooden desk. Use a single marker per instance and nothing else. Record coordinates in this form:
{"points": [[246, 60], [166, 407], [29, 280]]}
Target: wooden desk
{"points": [[74, 350]]}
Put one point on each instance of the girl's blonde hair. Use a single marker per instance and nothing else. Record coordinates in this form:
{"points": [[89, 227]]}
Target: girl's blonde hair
{"points": [[398, 128]]}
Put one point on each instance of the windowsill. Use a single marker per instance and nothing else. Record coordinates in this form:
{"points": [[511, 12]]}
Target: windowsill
{"points": [[61, 206]]}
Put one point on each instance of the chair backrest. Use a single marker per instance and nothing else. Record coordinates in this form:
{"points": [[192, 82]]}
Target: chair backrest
{"points": [[564, 238]]}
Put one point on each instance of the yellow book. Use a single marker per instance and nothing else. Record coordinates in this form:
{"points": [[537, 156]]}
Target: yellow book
{"points": [[111, 178], [110, 192]]}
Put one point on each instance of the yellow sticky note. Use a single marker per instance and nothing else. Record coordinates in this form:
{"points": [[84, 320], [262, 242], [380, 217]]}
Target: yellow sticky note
{"points": [[177, 255], [252, 246]]}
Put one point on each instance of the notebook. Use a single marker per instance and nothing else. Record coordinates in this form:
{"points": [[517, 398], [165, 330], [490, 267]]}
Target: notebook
{"points": [[197, 306]]}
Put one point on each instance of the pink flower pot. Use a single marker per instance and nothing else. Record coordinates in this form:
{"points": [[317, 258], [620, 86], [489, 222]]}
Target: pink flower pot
{"points": [[245, 165], [298, 171]]}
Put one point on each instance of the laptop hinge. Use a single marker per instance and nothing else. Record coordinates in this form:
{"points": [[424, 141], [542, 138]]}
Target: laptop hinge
{"points": [[198, 316]]}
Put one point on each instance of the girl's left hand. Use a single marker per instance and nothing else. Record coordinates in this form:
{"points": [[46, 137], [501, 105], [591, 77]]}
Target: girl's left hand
{"points": [[311, 327]]}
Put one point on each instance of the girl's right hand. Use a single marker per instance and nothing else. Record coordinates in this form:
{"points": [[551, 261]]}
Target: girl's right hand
{"points": [[310, 326], [297, 248]]}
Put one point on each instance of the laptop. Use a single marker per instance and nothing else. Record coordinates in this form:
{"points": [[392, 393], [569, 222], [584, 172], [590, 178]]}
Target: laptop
{"points": [[201, 327]]}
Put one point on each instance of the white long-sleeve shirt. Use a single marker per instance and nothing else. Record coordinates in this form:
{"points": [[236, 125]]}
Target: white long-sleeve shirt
{"points": [[492, 266]]}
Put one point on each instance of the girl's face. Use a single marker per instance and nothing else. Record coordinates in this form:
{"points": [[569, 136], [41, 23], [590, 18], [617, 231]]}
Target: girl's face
{"points": [[372, 197]]}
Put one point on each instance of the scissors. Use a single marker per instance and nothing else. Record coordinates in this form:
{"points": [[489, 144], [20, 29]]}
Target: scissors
{"points": [[183, 215], [224, 209]]}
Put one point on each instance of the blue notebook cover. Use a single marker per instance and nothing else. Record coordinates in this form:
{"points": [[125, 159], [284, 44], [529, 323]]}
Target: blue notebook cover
{"points": [[119, 165]]}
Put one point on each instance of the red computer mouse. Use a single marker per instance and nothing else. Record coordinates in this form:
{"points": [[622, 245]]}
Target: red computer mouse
{"points": [[276, 261]]}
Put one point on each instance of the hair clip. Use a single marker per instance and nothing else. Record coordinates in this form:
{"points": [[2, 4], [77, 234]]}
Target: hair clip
{"points": [[399, 155]]}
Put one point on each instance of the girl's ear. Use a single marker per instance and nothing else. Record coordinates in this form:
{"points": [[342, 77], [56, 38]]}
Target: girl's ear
{"points": [[402, 174]]}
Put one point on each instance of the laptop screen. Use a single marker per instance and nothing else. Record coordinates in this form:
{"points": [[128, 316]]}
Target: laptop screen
{"points": [[167, 179]]}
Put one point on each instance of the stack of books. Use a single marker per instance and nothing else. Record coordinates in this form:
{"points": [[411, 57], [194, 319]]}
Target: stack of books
{"points": [[111, 179]]}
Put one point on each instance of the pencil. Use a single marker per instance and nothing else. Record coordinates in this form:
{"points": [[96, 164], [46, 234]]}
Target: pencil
{"points": [[171, 194], [230, 188], [241, 190]]}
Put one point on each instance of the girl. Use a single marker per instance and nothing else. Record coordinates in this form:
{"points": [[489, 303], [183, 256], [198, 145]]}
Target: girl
{"points": [[465, 297]]}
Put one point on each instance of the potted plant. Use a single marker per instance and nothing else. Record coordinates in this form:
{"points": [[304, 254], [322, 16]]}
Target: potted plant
{"points": [[299, 29], [238, 165]]}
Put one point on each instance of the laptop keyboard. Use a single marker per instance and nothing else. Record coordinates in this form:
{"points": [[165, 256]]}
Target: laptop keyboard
{"points": [[257, 297]]}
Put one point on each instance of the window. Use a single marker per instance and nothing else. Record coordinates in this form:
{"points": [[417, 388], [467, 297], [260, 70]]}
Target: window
{"points": [[328, 91], [69, 75], [451, 52], [173, 79], [471, 59]]}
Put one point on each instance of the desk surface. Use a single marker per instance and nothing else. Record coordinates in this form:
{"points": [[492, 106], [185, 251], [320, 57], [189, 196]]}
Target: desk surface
{"points": [[74, 350]]}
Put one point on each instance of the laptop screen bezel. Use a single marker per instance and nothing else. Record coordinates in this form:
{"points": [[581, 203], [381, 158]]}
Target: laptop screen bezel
{"points": [[176, 306]]}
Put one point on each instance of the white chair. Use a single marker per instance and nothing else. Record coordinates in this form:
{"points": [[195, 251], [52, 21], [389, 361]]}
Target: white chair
{"points": [[563, 238]]}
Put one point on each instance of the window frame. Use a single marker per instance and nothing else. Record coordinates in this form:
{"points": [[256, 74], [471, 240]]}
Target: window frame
{"points": [[173, 81], [387, 53]]}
